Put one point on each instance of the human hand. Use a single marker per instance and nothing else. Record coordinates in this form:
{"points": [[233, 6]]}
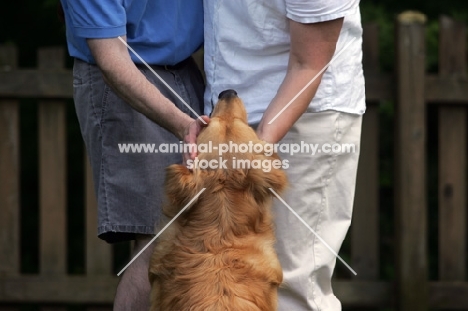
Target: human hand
{"points": [[190, 136]]}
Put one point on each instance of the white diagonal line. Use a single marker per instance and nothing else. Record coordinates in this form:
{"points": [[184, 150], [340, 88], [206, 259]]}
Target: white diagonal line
{"points": [[311, 81], [313, 231], [161, 79], [162, 230]]}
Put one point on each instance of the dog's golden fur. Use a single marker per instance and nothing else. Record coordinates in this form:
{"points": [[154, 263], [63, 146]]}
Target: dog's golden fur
{"points": [[219, 254]]}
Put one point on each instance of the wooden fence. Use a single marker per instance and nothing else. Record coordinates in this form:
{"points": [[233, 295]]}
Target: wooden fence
{"points": [[411, 88]]}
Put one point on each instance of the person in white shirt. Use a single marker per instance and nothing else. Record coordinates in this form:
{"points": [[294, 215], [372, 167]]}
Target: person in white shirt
{"points": [[268, 51]]}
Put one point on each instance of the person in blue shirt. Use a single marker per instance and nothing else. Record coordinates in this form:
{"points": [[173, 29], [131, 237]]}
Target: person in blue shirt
{"points": [[119, 101]]}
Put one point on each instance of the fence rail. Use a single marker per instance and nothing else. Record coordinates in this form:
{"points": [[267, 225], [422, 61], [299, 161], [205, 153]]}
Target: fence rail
{"points": [[410, 87]]}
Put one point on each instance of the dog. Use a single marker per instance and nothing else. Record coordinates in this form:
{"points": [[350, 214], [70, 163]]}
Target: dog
{"points": [[219, 253]]}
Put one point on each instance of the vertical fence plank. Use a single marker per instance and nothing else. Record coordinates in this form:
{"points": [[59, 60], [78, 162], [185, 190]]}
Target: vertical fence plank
{"points": [[410, 179], [52, 187], [8, 57], [52, 177], [365, 228], [452, 158], [9, 177]]}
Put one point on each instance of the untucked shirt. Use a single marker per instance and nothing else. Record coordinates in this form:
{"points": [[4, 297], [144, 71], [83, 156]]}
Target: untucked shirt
{"points": [[162, 32], [247, 45]]}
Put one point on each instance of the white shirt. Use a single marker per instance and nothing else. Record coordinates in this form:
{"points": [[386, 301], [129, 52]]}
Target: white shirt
{"points": [[247, 46]]}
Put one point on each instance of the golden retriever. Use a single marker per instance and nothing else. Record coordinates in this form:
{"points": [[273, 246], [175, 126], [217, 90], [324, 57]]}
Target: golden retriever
{"points": [[219, 253]]}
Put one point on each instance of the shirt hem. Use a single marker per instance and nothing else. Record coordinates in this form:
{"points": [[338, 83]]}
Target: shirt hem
{"points": [[255, 117], [321, 18]]}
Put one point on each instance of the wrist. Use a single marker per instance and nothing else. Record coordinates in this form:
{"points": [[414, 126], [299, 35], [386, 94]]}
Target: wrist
{"points": [[264, 133], [183, 126]]}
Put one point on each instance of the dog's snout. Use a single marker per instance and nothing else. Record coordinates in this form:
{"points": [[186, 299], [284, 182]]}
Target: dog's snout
{"points": [[227, 94]]}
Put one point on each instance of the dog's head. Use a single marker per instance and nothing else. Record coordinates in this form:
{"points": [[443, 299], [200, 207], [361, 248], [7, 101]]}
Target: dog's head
{"points": [[230, 157]]}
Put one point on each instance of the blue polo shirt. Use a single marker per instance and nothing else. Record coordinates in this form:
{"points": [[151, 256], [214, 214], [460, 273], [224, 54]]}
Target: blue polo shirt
{"points": [[162, 32]]}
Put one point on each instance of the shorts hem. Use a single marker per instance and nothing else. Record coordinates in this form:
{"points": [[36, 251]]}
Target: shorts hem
{"points": [[122, 233]]}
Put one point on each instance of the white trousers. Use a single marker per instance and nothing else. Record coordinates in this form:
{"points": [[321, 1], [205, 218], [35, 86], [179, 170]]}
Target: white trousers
{"points": [[321, 191]]}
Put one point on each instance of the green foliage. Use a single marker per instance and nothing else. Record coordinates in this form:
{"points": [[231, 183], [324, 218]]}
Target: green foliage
{"points": [[50, 3], [460, 15], [432, 45], [375, 13], [384, 15]]}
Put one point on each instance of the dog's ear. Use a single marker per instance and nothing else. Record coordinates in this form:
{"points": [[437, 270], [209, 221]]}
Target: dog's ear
{"points": [[180, 188], [260, 182]]}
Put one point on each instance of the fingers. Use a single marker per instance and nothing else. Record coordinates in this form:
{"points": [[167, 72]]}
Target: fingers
{"points": [[204, 120], [191, 134]]}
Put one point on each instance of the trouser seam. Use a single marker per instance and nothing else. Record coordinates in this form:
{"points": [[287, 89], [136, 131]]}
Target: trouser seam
{"points": [[333, 160]]}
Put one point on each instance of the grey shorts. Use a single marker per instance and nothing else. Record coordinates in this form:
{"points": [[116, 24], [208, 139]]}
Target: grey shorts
{"points": [[129, 186]]}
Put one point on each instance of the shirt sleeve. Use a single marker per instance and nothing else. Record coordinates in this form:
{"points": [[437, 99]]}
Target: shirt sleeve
{"points": [[97, 18], [309, 11]]}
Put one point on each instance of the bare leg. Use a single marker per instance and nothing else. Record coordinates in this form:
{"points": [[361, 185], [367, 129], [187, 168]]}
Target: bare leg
{"points": [[134, 288]]}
